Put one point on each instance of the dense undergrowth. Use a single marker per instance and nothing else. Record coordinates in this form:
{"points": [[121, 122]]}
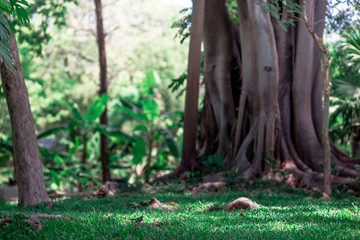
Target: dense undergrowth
{"points": [[282, 215]]}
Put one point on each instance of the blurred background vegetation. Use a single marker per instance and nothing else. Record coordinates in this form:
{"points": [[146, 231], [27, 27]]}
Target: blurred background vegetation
{"points": [[147, 47]]}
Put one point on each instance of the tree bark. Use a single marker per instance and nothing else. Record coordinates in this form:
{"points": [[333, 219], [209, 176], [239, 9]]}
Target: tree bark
{"points": [[325, 67], [103, 89], [356, 143], [279, 114], [189, 153], [28, 168]]}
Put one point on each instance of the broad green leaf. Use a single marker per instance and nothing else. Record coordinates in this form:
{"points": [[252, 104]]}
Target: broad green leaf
{"points": [[75, 111], [57, 159], [163, 156], [173, 147], [97, 108], [83, 181], [129, 111], [113, 132], [55, 177], [151, 110], [149, 82], [4, 158], [139, 150], [72, 130], [140, 127], [53, 130], [5, 54], [66, 172]]}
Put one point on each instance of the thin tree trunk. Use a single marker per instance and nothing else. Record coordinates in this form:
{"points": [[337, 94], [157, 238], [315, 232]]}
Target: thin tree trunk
{"points": [[28, 168], [356, 142], [325, 66], [83, 161], [103, 89], [188, 157]]}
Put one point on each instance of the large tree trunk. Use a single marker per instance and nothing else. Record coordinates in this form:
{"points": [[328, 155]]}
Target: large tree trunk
{"points": [[279, 114], [221, 68], [28, 168], [103, 89]]}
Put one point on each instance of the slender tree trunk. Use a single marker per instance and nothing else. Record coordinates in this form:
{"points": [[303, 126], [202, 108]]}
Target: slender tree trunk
{"points": [[148, 161], [325, 66], [188, 157], [83, 161], [356, 143], [103, 89], [28, 168]]}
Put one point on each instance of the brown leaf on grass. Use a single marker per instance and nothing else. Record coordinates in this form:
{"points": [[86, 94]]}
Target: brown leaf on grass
{"points": [[240, 203], [171, 203], [109, 189], [242, 215], [153, 224], [351, 191], [4, 221], [50, 205], [158, 205], [152, 203], [314, 190], [53, 216], [34, 222], [208, 188], [125, 195], [133, 205], [325, 196]]}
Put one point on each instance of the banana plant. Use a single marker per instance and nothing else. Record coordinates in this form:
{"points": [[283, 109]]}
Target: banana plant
{"points": [[151, 135], [80, 131]]}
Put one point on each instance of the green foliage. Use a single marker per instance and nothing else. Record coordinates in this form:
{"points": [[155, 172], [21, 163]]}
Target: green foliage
{"points": [[183, 24], [278, 8], [352, 47], [65, 168], [50, 12], [16, 8], [342, 15], [177, 84], [152, 136], [345, 100], [214, 163]]}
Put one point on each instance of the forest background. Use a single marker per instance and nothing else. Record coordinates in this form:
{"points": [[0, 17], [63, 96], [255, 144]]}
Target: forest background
{"points": [[146, 74]]}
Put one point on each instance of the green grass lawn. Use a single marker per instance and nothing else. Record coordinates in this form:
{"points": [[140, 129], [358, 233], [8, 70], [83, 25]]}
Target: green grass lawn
{"points": [[281, 216]]}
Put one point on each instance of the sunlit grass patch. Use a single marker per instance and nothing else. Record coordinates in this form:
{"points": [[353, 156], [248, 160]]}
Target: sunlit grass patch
{"points": [[280, 216]]}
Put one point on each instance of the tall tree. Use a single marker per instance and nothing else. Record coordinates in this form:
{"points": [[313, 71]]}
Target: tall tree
{"points": [[28, 168], [325, 67], [103, 89], [189, 153], [277, 109]]}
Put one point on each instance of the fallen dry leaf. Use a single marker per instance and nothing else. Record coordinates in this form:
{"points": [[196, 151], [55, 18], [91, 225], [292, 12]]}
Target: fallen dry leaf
{"points": [[170, 203], [34, 222], [3, 221], [242, 215], [351, 191], [325, 196], [240, 203], [50, 205]]}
